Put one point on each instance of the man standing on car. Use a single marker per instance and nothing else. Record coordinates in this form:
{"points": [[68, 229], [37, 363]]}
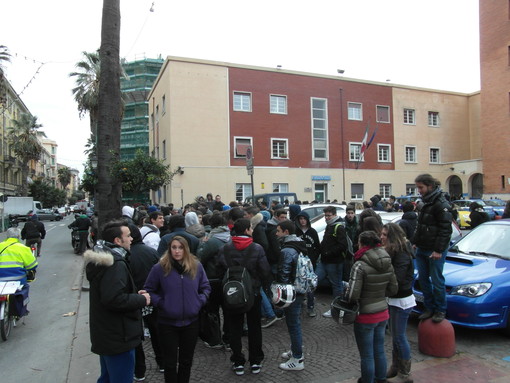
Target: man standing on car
{"points": [[432, 238]]}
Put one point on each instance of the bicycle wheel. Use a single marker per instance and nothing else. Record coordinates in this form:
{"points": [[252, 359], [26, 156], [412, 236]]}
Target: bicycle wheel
{"points": [[6, 323]]}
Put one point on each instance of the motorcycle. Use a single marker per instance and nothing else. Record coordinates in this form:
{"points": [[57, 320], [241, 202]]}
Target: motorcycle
{"points": [[75, 240], [13, 305]]}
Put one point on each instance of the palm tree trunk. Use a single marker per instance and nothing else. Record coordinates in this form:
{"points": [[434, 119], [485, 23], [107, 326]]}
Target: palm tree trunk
{"points": [[24, 175], [109, 114]]}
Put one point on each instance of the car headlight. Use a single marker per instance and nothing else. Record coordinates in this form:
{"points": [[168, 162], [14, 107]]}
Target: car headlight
{"points": [[471, 290]]}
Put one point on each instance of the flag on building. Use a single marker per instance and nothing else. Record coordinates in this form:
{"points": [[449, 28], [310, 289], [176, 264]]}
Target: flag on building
{"points": [[363, 146]]}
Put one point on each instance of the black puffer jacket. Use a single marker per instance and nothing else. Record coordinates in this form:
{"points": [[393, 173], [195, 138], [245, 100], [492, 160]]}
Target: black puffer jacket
{"points": [[434, 227], [115, 305], [403, 266], [408, 224], [334, 243]]}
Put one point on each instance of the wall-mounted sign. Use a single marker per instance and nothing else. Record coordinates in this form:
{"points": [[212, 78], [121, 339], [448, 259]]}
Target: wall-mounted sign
{"points": [[321, 178]]}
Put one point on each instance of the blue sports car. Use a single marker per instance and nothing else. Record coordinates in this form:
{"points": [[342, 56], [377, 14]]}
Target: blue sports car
{"points": [[477, 275]]}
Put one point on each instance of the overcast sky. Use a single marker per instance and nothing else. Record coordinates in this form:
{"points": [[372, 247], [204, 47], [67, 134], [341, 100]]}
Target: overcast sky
{"points": [[431, 44]]}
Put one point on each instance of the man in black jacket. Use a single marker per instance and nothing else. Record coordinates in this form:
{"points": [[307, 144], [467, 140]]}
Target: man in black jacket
{"points": [[432, 238], [333, 252], [115, 304], [82, 224], [33, 233]]}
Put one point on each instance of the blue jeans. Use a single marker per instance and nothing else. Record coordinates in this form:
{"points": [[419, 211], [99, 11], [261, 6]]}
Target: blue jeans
{"points": [[118, 368], [398, 326], [293, 319], [370, 341], [266, 307], [334, 273], [430, 275]]}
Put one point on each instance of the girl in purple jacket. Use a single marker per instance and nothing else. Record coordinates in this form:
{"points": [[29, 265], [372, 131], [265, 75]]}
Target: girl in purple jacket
{"points": [[178, 288]]}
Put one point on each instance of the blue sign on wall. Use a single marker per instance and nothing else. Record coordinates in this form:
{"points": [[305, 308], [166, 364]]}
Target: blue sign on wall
{"points": [[321, 178]]}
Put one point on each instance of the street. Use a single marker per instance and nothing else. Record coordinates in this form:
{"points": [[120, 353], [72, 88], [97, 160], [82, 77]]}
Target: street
{"points": [[51, 347]]}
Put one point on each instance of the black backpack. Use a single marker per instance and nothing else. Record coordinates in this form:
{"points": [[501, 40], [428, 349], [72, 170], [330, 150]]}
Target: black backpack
{"points": [[238, 293]]}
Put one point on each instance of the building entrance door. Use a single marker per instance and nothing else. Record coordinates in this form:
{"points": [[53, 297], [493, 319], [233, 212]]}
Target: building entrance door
{"points": [[320, 192]]}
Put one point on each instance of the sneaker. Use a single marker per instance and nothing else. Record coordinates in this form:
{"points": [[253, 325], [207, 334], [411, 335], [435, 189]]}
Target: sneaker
{"points": [[146, 332], [214, 346], [255, 368], [311, 312], [139, 379], [327, 314], [239, 370], [438, 317], [227, 347], [286, 354], [425, 315], [293, 364], [268, 322]]}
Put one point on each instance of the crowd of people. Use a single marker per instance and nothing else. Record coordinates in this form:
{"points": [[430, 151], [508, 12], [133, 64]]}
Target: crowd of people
{"points": [[166, 267]]}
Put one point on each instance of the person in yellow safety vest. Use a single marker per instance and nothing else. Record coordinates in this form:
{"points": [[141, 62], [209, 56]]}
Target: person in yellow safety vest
{"points": [[17, 263]]}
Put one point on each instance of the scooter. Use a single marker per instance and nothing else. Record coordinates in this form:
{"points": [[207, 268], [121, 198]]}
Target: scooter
{"points": [[75, 240]]}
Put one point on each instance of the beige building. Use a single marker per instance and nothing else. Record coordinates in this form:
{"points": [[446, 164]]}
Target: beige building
{"points": [[203, 113]]}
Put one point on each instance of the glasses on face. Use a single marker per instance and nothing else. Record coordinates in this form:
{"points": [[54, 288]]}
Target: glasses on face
{"points": [[328, 215]]}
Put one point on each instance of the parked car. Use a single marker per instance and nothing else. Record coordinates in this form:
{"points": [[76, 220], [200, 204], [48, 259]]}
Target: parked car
{"points": [[477, 275], [315, 209], [48, 215], [498, 206], [463, 204], [62, 211], [394, 217]]}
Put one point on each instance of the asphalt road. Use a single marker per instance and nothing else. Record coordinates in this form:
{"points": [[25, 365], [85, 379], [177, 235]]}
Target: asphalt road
{"points": [[39, 350]]}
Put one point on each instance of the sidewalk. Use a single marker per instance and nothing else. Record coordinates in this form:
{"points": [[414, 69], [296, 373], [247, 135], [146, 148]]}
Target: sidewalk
{"points": [[330, 353]]}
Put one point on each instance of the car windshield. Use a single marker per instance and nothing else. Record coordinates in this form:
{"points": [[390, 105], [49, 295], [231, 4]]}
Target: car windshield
{"points": [[487, 239], [495, 203]]}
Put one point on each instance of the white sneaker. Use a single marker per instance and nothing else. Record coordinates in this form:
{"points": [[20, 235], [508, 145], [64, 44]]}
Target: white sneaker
{"points": [[293, 364], [286, 354], [327, 314]]}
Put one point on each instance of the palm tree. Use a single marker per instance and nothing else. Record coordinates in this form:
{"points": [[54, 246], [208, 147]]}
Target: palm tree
{"points": [[64, 176], [23, 139], [86, 92], [4, 56], [110, 112]]}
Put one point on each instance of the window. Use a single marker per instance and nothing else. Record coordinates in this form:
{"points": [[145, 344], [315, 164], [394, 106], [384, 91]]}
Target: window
{"points": [[163, 105], [434, 156], [241, 145], [279, 148], [280, 188], [411, 189], [242, 102], [409, 116], [411, 154], [385, 190], [243, 191], [433, 118], [278, 104], [164, 149], [383, 153], [319, 129], [383, 113], [354, 111], [357, 191], [354, 151]]}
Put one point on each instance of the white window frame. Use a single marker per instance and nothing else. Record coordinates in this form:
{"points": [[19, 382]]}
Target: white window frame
{"points": [[358, 197], [409, 116], [325, 139], [380, 147], [278, 100], [236, 143], [280, 187], [385, 190], [354, 113], [415, 154], [242, 107], [377, 114], [245, 190], [411, 189], [286, 149], [355, 155], [438, 156], [433, 119]]}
